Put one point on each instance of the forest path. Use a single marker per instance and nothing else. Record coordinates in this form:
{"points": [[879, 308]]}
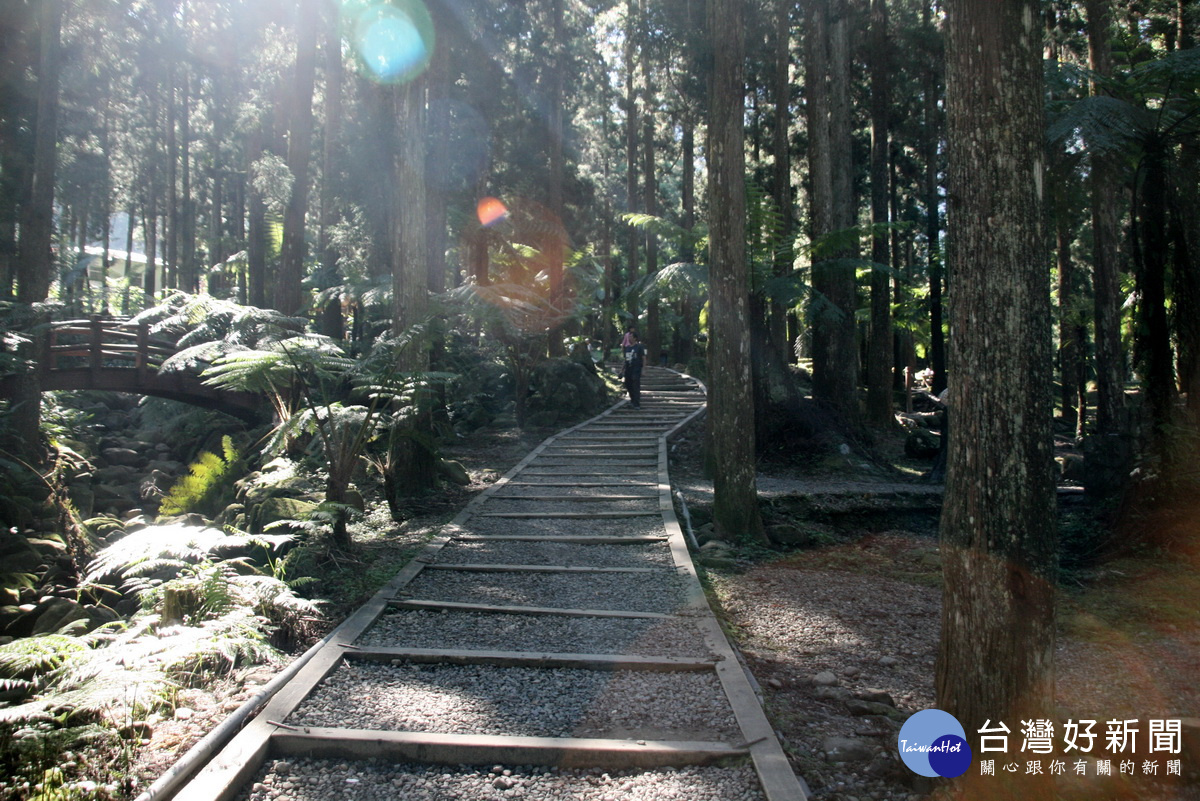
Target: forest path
{"points": [[555, 635]]}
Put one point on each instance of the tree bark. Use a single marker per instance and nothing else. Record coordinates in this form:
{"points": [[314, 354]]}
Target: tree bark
{"points": [[781, 183], [557, 66], [996, 655], [879, 359], [412, 459], [1105, 247], [289, 297], [835, 354], [731, 407], [35, 265], [333, 324], [631, 141]]}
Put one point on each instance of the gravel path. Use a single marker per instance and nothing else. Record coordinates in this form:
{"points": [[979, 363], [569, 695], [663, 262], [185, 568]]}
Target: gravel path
{"points": [[563, 554], [534, 702], [566, 527], [320, 780], [464, 696], [626, 592], [419, 628]]}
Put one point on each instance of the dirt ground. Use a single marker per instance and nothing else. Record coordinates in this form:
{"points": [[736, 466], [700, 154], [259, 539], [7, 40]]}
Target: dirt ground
{"points": [[855, 615]]}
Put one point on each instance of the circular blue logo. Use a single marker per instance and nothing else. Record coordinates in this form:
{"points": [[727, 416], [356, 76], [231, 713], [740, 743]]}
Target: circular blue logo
{"points": [[933, 743]]}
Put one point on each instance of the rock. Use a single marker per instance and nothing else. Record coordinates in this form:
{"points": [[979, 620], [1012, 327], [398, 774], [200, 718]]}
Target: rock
{"points": [[454, 472], [274, 509], [1071, 467], [121, 456], [716, 562], [847, 749], [850, 672], [775, 683], [183, 713], [543, 419], [355, 500], [116, 474], [876, 695], [859, 707], [789, 535], [503, 783], [17, 555], [922, 444], [53, 614], [714, 547], [831, 693], [880, 767], [888, 661], [825, 679]]}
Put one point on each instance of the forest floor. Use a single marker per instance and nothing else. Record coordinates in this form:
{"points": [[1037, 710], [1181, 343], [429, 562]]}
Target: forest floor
{"points": [[853, 613]]}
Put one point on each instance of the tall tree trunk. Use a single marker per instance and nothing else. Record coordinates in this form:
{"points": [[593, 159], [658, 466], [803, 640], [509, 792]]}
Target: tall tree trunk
{"points": [[333, 324], [412, 460], [256, 223], [996, 655], [879, 359], [289, 297], [188, 276], [631, 142], [171, 221], [35, 264], [652, 336], [820, 171], [731, 407], [558, 57], [1154, 331], [835, 355], [781, 181], [1074, 408], [1109, 451], [930, 146], [687, 251]]}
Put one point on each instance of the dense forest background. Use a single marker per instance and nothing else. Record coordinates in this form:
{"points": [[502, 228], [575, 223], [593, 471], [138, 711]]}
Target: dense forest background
{"points": [[359, 209]]}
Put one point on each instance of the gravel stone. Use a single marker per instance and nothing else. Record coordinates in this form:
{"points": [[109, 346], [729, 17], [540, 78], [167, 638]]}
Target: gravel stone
{"points": [[517, 701], [413, 628], [560, 527], [629, 592], [320, 780], [562, 554]]}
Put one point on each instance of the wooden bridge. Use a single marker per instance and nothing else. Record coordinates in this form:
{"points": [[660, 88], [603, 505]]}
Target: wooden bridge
{"points": [[118, 355]]}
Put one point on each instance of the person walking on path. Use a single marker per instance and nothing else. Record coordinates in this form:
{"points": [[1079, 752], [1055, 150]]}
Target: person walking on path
{"points": [[635, 358]]}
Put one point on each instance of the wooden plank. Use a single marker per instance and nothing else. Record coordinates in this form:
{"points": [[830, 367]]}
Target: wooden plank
{"points": [[468, 749], [458, 606], [616, 515], [502, 568], [575, 498], [459, 656], [580, 539]]}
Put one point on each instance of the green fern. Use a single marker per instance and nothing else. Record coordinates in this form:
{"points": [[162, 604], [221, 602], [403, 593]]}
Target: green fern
{"points": [[208, 479]]}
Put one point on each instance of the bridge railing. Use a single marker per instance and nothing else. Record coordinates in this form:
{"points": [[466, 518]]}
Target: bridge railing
{"points": [[98, 343]]}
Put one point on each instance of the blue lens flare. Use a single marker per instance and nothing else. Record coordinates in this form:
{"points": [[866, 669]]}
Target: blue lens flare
{"points": [[394, 41]]}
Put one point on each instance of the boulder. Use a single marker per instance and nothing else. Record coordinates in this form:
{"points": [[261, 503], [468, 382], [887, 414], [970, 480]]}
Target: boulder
{"points": [[847, 749], [454, 472], [789, 535], [121, 456], [52, 614], [922, 444], [275, 509]]}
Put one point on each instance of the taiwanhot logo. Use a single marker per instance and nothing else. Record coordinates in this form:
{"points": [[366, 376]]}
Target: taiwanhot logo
{"points": [[933, 743]]}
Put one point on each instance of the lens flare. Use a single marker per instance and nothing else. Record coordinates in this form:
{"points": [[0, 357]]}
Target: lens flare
{"points": [[491, 211], [394, 41]]}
